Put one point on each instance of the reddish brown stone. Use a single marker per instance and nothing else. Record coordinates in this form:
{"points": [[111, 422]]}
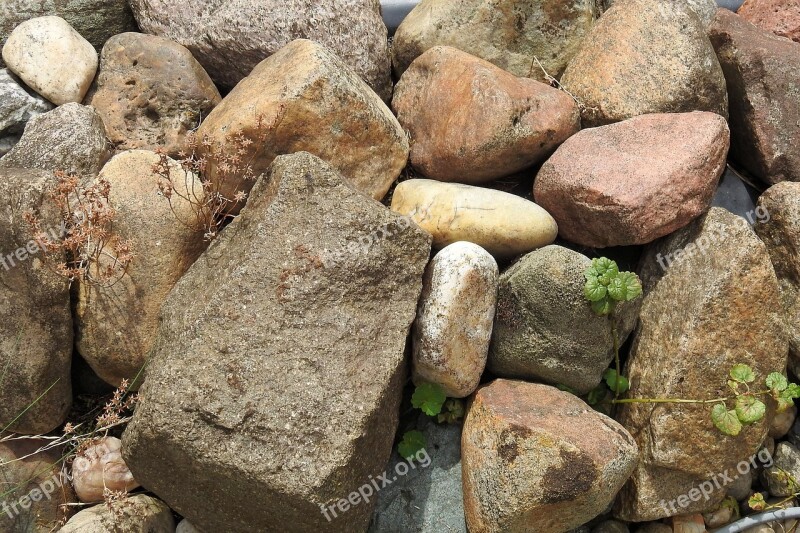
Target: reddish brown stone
{"points": [[781, 17], [634, 181]]}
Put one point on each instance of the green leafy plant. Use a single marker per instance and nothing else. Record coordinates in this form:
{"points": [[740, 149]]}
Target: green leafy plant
{"points": [[431, 399], [413, 441]]}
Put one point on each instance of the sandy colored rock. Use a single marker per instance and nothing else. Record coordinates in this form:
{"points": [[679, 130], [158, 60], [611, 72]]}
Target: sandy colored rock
{"points": [[135, 514], [315, 103], [230, 38], [761, 70], [71, 138], [781, 17], [506, 33], [454, 319], [704, 9], [100, 467], [35, 317], [634, 181], [645, 57], [116, 324], [715, 305], [535, 458], [504, 224], [150, 92], [472, 122], [51, 58], [545, 329], [292, 390], [781, 234]]}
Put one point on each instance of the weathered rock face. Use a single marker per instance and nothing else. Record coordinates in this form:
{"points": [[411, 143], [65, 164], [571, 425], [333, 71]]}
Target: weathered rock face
{"points": [[35, 318], [95, 20], [36, 478], [273, 374], [135, 514], [634, 181], [18, 105], [506, 33], [535, 458], [504, 224], [545, 329], [711, 301], [100, 467], [704, 9], [116, 323], [786, 460], [781, 17], [230, 38], [51, 58], [69, 138], [762, 70], [472, 122], [150, 92], [454, 319], [645, 57], [304, 98], [781, 235]]}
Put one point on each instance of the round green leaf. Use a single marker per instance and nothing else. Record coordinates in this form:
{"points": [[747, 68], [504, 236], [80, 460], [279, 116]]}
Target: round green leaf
{"points": [[618, 384], [725, 421], [413, 441], [743, 373], [593, 291], [605, 267], [633, 287], [777, 381], [792, 390], [617, 289], [603, 307], [749, 409], [429, 397]]}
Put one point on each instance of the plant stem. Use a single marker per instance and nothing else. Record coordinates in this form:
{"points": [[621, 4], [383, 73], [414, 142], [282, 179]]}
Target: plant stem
{"points": [[616, 352]]}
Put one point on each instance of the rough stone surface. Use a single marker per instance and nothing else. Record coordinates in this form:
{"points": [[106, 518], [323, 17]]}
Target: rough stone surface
{"points": [[22, 477], [762, 71], [95, 20], [98, 467], [116, 323], [545, 330], [704, 9], [18, 105], [634, 181], [230, 38], [274, 375], [51, 58], [35, 319], [471, 122], [782, 423], [429, 497], [539, 459], [69, 138], [136, 514], [781, 17], [645, 57], [454, 319], [504, 224], [715, 305], [786, 459], [150, 92], [314, 103], [505, 32], [781, 234]]}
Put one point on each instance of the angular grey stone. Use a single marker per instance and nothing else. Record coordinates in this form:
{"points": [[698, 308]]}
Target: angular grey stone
{"points": [[18, 104], [273, 375], [786, 461]]}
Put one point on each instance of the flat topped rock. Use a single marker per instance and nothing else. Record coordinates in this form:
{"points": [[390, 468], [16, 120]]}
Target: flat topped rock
{"points": [[274, 374]]}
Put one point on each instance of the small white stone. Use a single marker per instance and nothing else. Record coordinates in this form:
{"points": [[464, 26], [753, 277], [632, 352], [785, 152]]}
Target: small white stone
{"points": [[454, 319], [52, 59]]}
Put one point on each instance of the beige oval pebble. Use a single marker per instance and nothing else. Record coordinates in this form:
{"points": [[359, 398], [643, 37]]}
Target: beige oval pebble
{"points": [[52, 59], [504, 224], [454, 319], [99, 467]]}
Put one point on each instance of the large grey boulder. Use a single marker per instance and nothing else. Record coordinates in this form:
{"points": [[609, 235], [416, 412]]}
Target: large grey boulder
{"points": [[275, 375], [230, 37], [35, 318]]}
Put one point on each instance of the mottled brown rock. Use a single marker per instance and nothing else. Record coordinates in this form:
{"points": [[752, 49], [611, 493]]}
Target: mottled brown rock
{"points": [[535, 458], [634, 181], [762, 70], [273, 374], [711, 301], [472, 122], [506, 33], [645, 57], [135, 514], [35, 318], [150, 92], [231, 37], [781, 17], [781, 235], [315, 103]]}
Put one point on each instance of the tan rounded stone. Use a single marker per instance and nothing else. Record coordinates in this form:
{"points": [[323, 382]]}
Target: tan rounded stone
{"points": [[100, 467]]}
